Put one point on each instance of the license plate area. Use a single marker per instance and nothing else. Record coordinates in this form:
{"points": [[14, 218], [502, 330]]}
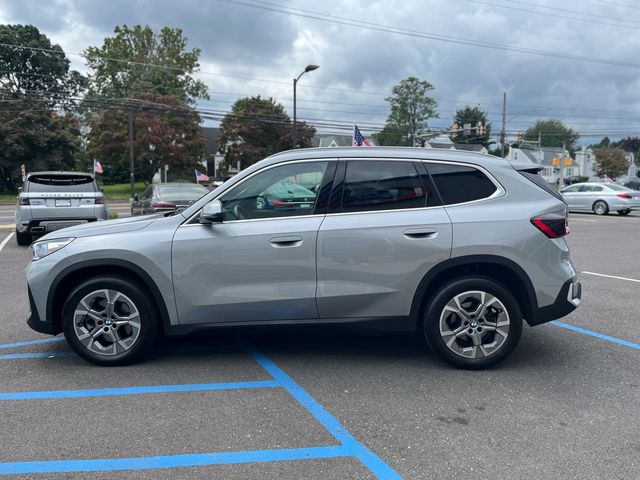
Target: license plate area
{"points": [[63, 203]]}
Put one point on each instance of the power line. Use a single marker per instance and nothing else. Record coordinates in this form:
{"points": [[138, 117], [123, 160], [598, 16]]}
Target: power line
{"points": [[556, 15], [421, 34]]}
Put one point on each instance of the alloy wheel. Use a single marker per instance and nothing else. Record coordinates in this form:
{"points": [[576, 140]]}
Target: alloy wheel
{"points": [[474, 324], [107, 322]]}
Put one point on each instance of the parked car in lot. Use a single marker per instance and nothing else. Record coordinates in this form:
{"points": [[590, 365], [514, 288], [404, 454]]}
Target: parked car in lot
{"points": [[49, 201], [167, 197], [601, 198], [458, 245], [633, 184]]}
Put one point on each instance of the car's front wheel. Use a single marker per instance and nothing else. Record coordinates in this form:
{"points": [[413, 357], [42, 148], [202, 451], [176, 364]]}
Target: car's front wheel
{"points": [[109, 321], [473, 323]]}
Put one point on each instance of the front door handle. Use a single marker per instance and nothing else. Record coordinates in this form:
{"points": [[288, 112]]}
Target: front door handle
{"points": [[420, 232], [282, 242]]}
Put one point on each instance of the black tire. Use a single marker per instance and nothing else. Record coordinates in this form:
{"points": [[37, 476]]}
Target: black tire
{"points": [[147, 330], [624, 212], [600, 207], [504, 345], [23, 238]]}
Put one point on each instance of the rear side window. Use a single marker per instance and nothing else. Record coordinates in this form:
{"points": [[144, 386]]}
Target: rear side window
{"points": [[543, 184], [59, 183], [380, 185], [460, 184]]}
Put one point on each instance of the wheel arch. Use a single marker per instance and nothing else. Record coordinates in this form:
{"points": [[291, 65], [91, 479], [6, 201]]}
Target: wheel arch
{"points": [[70, 277], [504, 271]]}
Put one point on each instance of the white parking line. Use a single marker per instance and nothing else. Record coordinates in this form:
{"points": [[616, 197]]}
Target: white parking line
{"points": [[612, 276], [571, 219], [5, 241]]}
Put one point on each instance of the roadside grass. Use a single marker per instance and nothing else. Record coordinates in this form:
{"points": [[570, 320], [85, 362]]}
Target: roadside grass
{"points": [[120, 191], [8, 197]]}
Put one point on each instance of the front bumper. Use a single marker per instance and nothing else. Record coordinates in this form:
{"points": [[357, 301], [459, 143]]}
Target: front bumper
{"points": [[567, 301], [34, 320]]}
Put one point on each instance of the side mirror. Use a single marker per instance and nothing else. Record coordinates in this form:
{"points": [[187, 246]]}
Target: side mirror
{"points": [[212, 212], [19, 189]]}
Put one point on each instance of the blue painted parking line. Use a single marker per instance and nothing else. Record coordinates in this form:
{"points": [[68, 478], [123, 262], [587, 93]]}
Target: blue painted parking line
{"points": [[173, 461], [19, 356], [30, 342], [601, 336], [349, 446], [108, 392], [328, 421]]}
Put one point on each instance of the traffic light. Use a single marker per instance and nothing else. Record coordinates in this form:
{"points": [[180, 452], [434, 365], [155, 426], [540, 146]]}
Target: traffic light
{"points": [[480, 129], [454, 131], [520, 137]]}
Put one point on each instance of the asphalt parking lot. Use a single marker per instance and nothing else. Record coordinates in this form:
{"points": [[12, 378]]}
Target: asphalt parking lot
{"points": [[336, 403]]}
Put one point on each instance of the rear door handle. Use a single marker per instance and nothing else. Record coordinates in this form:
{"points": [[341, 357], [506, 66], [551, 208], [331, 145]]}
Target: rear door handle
{"points": [[420, 232], [281, 242]]}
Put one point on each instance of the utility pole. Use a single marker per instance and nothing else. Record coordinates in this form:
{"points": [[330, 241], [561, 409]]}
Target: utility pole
{"points": [[562, 157], [131, 155], [504, 124]]}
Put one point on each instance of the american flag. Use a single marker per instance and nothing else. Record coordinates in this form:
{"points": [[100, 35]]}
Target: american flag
{"points": [[97, 168], [201, 177], [358, 138]]}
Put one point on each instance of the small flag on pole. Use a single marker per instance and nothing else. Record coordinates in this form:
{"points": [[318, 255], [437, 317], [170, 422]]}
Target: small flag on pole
{"points": [[97, 168], [358, 138], [201, 177]]}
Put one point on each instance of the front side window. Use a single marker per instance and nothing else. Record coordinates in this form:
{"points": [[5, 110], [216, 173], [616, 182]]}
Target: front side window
{"points": [[382, 185], [460, 184], [572, 189], [284, 191]]}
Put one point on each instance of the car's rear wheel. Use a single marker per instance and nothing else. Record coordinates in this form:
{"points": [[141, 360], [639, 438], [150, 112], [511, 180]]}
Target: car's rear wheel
{"points": [[473, 323], [109, 321], [600, 207], [23, 238], [624, 212]]}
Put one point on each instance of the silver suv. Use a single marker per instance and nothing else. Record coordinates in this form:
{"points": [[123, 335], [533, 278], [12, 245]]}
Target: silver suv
{"points": [[459, 245], [50, 201]]}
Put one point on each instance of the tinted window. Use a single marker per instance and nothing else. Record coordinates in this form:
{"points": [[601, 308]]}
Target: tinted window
{"points": [[458, 184], [59, 183], [285, 191], [372, 185]]}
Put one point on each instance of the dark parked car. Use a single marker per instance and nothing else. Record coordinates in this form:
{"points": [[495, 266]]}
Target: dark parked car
{"points": [[634, 184], [167, 197]]}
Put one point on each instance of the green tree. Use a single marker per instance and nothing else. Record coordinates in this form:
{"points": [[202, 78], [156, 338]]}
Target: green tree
{"points": [[166, 132], [37, 92], [630, 144], [411, 107], [472, 115], [554, 133], [138, 59], [610, 162], [256, 128], [390, 136]]}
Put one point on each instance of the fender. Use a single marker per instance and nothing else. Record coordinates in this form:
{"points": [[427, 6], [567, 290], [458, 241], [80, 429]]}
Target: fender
{"points": [[476, 264], [115, 266]]}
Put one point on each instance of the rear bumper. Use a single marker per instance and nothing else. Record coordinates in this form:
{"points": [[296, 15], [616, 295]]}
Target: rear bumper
{"points": [[567, 301], [46, 225]]}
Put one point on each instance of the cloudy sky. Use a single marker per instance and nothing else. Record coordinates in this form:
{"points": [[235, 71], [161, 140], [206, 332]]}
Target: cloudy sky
{"points": [[587, 73]]}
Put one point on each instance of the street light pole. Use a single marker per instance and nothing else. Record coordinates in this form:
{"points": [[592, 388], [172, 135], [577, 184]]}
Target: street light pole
{"points": [[308, 68]]}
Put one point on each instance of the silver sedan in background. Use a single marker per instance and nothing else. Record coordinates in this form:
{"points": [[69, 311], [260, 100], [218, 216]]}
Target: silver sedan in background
{"points": [[601, 198]]}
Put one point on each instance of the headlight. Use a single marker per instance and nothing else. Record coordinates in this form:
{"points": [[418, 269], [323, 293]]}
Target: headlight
{"points": [[47, 247]]}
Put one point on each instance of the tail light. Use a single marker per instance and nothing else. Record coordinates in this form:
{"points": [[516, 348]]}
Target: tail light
{"points": [[624, 195], [162, 205], [23, 201], [99, 201], [553, 225]]}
